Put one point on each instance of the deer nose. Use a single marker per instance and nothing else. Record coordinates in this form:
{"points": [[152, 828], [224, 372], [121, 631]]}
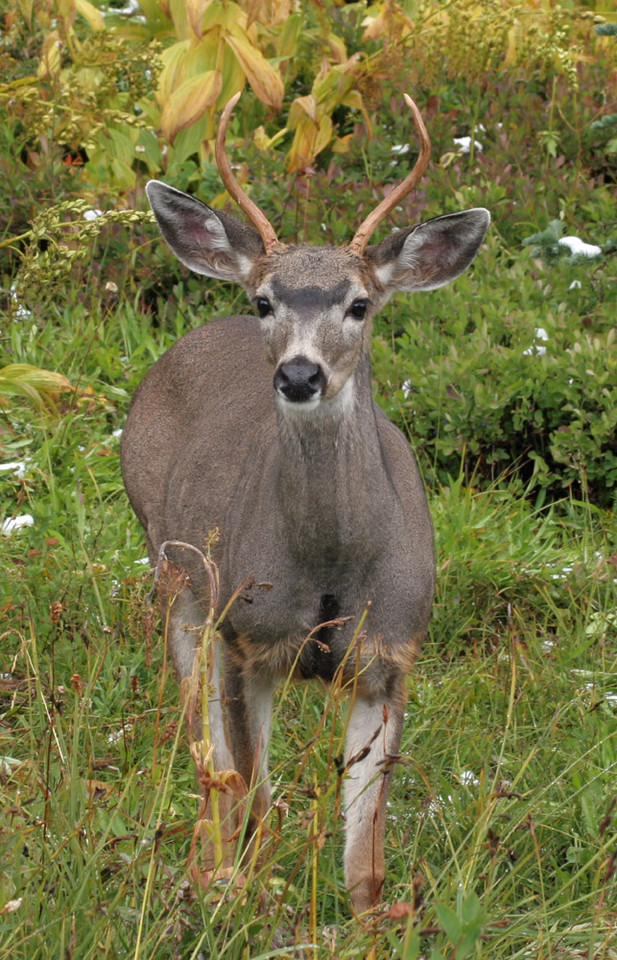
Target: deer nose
{"points": [[299, 380]]}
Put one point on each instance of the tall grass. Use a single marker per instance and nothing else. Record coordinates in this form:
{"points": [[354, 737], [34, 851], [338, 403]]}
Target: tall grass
{"points": [[501, 835]]}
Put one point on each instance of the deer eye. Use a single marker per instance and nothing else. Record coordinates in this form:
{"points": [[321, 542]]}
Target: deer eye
{"points": [[358, 308], [264, 307]]}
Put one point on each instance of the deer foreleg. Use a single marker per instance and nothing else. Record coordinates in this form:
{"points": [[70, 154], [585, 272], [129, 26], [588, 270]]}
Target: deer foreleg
{"points": [[186, 616], [373, 741], [249, 711]]}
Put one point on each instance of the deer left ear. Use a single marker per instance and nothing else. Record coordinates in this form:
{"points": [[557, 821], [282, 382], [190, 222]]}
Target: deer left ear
{"points": [[430, 254]]}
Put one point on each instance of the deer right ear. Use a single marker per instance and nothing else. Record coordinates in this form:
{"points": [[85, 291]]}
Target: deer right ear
{"points": [[207, 241]]}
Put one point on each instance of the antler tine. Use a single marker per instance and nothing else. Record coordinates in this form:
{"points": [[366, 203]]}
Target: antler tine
{"points": [[255, 215], [368, 227]]}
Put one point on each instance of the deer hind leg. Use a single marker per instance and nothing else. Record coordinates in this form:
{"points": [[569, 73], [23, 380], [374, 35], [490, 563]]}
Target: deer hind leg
{"points": [[373, 741], [249, 709]]}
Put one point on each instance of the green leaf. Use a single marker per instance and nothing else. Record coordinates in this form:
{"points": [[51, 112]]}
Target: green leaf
{"points": [[450, 923]]}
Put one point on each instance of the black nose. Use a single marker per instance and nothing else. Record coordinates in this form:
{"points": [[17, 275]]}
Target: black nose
{"points": [[299, 380]]}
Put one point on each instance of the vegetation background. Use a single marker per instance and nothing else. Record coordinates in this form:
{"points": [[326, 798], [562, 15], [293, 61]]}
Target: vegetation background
{"points": [[502, 840]]}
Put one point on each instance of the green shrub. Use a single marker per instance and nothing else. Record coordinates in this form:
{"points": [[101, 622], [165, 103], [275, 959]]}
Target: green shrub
{"points": [[473, 381]]}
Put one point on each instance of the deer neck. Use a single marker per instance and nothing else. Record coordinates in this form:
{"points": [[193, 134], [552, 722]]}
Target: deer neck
{"points": [[333, 485]]}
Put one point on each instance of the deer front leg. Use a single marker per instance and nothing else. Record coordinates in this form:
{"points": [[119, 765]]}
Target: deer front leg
{"points": [[186, 618], [249, 711], [373, 741], [186, 615]]}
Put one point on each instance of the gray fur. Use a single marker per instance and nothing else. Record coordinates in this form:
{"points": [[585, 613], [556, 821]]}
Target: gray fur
{"points": [[322, 500]]}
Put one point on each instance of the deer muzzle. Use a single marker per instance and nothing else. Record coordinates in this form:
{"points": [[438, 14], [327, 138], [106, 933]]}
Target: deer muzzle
{"points": [[300, 381]]}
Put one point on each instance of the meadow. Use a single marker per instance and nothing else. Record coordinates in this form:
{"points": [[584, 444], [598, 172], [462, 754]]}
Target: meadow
{"points": [[502, 832]]}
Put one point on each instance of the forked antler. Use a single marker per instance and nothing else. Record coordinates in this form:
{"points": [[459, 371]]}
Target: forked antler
{"points": [[255, 215], [368, 227]]}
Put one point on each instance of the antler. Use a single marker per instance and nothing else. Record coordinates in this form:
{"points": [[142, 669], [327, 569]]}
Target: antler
{"points": [[255, 215], [368, 227]]}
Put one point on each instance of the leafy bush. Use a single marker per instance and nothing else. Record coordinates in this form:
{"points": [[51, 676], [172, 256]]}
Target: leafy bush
{"points": [[522, 381]]}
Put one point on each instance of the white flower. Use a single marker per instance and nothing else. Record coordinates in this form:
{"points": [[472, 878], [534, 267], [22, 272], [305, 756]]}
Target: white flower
{"points": [[12, 905], [534, 350], [437, 804], [575, 285], [17, 466], [19, 312], [92, 214], [464, 144], [576, 245], [400, 148], [15, 523], [468, 777]]}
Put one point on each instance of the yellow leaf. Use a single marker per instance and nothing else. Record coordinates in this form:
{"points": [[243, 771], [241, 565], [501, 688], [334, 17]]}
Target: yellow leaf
{"points": [[25, 7], [354, 100], [390, 22], [178, 15], [202, 56], [19, 373], [172, 74], [263, 142], [323, 135], [511, 48], [37, 385], [263, 78], [288, 36], [271, 13], [233, 77], [309, 140], [337, 48], [194, 12], [66, 11], [49, 65], [300, 105], [91, 15], [189, 102], [342, 144]]}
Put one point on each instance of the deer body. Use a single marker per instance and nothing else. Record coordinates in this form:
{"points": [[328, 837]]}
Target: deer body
{"points": [[315, 493]]}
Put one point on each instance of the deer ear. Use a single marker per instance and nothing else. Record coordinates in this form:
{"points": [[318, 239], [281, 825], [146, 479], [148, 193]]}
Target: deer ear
{"points": [[207, 241], [430, 254]]}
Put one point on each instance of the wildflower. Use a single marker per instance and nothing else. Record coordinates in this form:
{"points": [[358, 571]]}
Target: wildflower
{"points": [[11, 524], [464, 145], [535, 350], [577, 246]]}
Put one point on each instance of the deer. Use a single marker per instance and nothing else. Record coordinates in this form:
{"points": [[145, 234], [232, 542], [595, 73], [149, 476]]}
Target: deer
{"points": [[265, 428]]}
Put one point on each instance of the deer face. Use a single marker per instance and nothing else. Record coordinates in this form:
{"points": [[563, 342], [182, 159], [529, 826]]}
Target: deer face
{"points": [[315, 303], [315, 307]]}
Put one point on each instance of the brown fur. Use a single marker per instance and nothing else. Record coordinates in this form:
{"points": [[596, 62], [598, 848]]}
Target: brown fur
{"points": [[313, 490]]}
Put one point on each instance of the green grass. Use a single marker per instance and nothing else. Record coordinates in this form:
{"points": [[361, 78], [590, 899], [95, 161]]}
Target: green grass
{"points": [[502, 830]]}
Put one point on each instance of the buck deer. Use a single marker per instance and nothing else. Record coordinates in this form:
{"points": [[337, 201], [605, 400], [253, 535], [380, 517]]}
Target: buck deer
{"points": [[265, 428]]}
